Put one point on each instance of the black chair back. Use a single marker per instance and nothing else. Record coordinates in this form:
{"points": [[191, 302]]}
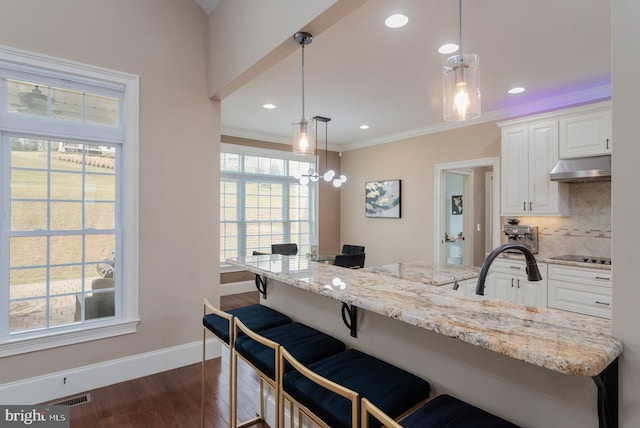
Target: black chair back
{"points": [[352, 249], [350, 260], [284, 249]]}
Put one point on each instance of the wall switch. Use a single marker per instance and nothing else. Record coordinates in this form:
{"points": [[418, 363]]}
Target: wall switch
{"points": [[478, 227]]}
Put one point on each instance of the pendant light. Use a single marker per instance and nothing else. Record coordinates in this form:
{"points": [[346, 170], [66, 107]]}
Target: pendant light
{"points": [[329, 175], [303, 141], [461, 82]]}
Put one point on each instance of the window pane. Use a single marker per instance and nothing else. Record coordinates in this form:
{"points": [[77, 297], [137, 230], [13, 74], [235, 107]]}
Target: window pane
{"points": [[28, 153], [28, 215], [67, 104], [65, 279], [66, 186], [27, 283], [229, 162], [99, 247], [66, 215], [27, 98], [66, 156], [99, 304], [100, 187], [100, 215], [102, 110], [62, 310], [27, 251], [65, 249], [28, 184], [27, 315]]}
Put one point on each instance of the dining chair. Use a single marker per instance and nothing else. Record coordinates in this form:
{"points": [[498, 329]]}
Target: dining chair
{"points": [[352, 249], [285, 249], [354, 261]]}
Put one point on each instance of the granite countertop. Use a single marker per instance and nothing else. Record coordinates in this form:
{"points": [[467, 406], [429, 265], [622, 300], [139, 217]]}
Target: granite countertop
{"points": [[561, 341], [427, 273]]}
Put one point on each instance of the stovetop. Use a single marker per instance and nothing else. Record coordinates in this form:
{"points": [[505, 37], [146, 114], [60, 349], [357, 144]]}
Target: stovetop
{"points": [[584, 259]]}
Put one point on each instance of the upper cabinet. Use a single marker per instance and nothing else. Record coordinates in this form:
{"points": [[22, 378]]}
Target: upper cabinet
{"points": [[531, 147], [529, 152], [586, 133]]}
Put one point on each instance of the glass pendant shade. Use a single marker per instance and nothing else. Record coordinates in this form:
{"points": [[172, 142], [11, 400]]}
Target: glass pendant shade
{"points": [[461, 87], [304, 142]]}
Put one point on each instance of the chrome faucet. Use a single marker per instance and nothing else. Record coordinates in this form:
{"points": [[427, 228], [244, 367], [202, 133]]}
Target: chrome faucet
{"points": [[533, 274]]}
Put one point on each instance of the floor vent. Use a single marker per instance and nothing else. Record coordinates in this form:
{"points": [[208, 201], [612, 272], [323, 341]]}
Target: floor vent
{"points": [[74, 401]]}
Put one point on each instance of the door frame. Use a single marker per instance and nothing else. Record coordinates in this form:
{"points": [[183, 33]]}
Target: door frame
{"points": [[438, 203]]}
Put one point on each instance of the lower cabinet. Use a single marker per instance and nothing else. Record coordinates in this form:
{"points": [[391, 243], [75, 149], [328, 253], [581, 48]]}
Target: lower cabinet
{"points": [[507, 280], [582, 290]]}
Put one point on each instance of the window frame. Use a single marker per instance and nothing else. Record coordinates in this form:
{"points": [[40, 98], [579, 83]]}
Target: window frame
{"points": [[243, 177], [127, 138]]}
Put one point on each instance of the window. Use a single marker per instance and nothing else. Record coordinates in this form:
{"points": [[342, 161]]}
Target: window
{"points": [[68, 270], [261, 203]]}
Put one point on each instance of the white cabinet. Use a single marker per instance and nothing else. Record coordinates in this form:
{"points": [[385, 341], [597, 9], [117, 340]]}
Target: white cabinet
{"points": [[529, 152], [586, 133], [507, 280], [582, 290]]}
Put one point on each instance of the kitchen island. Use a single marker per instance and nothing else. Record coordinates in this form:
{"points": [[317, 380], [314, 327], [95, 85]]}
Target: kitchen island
{"points": [[411, 322]]}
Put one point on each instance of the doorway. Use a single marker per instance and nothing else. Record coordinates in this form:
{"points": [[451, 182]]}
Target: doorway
{"points": [[479, 226], [458, 211]]}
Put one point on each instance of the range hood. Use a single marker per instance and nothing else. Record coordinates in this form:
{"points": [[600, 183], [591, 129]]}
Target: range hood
{"points": [[580, 170]]}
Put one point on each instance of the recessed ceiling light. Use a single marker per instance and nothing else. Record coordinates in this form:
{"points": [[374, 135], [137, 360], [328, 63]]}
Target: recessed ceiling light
{"points": [[448, 48], [516, 90], [269, 106], [396, 21], [364, 126]]}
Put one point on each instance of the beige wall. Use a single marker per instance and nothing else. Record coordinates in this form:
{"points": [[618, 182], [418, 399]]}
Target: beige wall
{"points": [[164, 42], [412, 161], [625, 206]]}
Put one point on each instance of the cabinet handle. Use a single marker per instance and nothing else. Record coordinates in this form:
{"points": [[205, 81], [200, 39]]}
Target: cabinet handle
{"points": [[603, 303], [607, 144], [602, 278], [515, 267], [524, 206], [511, 282], [518, 283], [530, 206]]}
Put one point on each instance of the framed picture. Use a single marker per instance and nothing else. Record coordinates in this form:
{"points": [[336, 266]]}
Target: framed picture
{"points": [[456, 204], [382, 199]]}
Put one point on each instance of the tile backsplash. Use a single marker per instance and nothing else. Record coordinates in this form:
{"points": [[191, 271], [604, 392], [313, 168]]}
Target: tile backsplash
{"points": [[587, 231]]}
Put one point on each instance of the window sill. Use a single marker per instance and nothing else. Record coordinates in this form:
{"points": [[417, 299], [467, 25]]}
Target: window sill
{"points": [[85, 333]]}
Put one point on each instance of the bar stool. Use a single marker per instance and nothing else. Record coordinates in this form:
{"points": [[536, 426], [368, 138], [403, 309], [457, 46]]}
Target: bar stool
{"points": [[444, 411], [220, 323], [261, 351], [328, 391]]}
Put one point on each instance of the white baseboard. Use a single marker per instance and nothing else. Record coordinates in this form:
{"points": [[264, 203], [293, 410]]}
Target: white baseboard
{"points": [[237, 287], [75, 381]]}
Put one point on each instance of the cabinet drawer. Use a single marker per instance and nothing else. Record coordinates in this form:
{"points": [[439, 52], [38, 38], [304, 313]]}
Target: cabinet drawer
{"points": [[580, 298], [579, 275], [516, 267]]}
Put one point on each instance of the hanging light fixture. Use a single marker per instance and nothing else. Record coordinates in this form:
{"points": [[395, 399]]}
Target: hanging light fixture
{"points": [[303, 142], [329, 175], [461, 82]]}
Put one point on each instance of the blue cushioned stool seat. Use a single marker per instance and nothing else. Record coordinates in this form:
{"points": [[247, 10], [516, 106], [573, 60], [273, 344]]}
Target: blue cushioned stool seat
{"points": [[392, 389], [446, 411], [306, 344], [257, 317]]}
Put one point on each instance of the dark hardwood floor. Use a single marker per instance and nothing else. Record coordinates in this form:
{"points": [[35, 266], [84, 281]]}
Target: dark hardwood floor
{"points": [[172, 399]]}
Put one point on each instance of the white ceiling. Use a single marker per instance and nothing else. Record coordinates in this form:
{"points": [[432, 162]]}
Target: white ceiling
{"points": [[360, 71]]}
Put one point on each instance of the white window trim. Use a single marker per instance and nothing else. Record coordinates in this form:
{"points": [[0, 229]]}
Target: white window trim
{"points": [[129, 320]]}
